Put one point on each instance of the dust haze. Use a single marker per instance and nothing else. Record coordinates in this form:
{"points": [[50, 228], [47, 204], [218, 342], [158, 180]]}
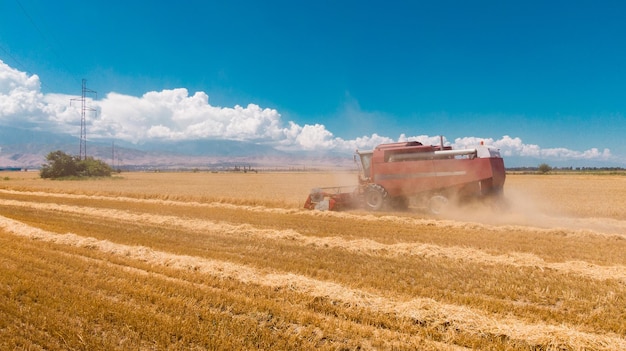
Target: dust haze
{"points": [[525, 202], [518, 208]]}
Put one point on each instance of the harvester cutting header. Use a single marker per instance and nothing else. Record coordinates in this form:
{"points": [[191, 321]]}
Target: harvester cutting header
{"points": [[394, 175]]}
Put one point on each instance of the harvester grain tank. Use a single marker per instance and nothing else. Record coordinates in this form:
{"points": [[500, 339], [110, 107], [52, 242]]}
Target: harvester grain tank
{"points": [[392, 175]]}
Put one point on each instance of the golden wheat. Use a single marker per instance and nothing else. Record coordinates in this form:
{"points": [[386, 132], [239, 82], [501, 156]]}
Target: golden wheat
{"points": [[213, 261], [420, 309], [367, 246]]}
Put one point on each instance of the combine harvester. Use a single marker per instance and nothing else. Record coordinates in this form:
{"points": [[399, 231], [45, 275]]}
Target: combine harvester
{"points": [[393, 175]]}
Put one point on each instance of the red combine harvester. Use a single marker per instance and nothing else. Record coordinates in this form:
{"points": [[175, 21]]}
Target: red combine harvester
{"points": [[392, 175]]}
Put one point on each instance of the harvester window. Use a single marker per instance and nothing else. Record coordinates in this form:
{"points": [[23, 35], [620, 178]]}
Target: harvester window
{"points": [[366, 160]]}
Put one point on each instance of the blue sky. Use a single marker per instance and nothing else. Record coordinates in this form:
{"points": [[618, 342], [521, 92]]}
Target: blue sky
{"points": [[540, 79]]}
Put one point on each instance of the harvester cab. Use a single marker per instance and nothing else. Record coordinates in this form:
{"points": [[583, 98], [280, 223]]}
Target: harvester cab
{"points": [[363, 161]]}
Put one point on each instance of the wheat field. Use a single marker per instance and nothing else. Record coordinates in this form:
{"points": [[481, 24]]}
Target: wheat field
{"points": [[230, 261]]}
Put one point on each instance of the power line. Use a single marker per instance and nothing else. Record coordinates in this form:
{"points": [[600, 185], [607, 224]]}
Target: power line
{"points": [[46, 39], [14, 59], [22, 66]]}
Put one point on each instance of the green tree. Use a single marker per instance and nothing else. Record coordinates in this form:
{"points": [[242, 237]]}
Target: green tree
{"points": [[544, 168], [61, 165], [91, 167]]}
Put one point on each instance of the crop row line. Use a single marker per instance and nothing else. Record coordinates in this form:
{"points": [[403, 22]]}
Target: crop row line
{"points": [[421, 309], [606, 227], [363, 246]]}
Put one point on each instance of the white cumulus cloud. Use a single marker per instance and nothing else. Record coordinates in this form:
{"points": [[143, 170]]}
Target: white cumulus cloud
{"points": [[175, 114], [20, 96], [516, 147]]}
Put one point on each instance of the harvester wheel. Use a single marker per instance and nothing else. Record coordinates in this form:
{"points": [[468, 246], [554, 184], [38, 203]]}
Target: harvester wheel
{"points": [[399, 203], [375, 196], [437, 204]]}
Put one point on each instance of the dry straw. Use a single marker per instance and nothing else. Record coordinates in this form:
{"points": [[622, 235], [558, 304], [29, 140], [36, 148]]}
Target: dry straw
{"points": [[357, 246], [463, 318], [204, 261]]}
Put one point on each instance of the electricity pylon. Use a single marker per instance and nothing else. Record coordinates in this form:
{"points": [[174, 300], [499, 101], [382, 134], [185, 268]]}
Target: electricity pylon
{"points": [[83, 111]]}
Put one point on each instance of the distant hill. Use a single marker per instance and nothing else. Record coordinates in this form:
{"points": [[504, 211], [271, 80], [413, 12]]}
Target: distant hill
{"points": [[28, 149], [21, 148]]}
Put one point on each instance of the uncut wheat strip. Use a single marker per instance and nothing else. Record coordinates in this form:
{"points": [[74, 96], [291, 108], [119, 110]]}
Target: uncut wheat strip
{"points": [[420, 309], [364, 246], [386, 334], [605, 227]]}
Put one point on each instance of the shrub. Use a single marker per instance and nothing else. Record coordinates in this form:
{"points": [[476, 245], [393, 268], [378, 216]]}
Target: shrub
{"points": [[544, 168], [91, 167], [62, 165]]}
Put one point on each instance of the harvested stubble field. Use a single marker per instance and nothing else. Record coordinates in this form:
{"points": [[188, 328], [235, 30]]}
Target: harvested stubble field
{"points": [[230, 261]]}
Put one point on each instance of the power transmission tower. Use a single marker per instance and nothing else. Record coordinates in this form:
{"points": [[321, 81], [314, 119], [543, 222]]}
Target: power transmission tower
{"points": [[83, 111]]}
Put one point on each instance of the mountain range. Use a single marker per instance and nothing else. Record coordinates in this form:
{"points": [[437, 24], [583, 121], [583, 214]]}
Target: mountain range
{"points": [[20, 148]]}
